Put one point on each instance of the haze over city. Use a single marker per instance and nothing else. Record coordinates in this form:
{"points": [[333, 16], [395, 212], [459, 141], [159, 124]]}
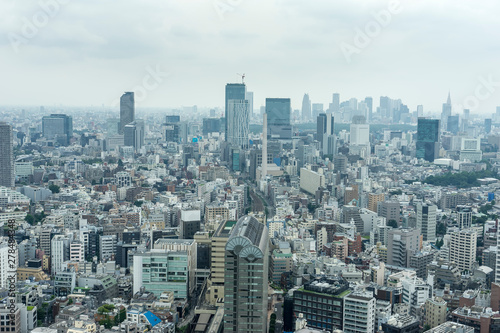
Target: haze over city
{"points": [[88, 53]]}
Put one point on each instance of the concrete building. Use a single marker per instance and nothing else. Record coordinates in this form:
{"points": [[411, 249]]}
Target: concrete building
{"points": [[281, 262], [245, 309], [217, 267], [311, 180], [420, 260], [162, 270], [359, 313], [426, 221], [389, 209], [374, 199], [434, 312], [401, 245], [10, 322], [464, 216], [463, 246]]}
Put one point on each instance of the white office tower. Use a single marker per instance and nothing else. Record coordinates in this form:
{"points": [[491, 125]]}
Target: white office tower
{"points": [[463, 245], [5, 267]]}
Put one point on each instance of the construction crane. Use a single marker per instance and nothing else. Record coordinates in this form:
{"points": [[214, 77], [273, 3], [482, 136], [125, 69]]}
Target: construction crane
{"points": [[242, 77]]}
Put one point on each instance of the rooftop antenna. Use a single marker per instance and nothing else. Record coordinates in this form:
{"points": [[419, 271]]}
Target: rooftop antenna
{"points": [[242, 77]]}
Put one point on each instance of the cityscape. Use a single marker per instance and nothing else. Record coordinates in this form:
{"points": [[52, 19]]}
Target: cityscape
{"points": [[256, 202]]}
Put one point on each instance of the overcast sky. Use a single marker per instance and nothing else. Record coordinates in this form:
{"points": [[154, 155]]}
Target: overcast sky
{"points": [[89, 52]]}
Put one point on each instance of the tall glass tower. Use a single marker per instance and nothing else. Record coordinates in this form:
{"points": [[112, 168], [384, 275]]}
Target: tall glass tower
{"points": [[278, 118], [234, 91], [127, 110], [427, 139], [238, 123]]}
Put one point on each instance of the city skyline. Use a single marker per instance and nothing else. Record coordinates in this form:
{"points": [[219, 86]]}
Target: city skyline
{"points": [[306, 53]]}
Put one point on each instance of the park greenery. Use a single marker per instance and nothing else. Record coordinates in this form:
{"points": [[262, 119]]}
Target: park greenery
{"points": [[460, 179]]}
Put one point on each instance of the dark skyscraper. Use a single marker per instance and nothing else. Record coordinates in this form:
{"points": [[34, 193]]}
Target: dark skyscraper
{"points": [[235, 91], [6, 155], [427, 139], [58, 127], [245, 277], [306, 108], [127, 110], [278, 118], [325, 127]]}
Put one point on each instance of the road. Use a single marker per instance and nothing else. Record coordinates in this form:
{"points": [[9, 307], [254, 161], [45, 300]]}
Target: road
{"points": [[259, 201]]}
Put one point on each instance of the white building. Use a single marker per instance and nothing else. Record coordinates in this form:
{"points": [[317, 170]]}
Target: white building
{"points": [[5, 267], [463, 246], [107, 246], [59, 252], [310, 180], [359, 313]]}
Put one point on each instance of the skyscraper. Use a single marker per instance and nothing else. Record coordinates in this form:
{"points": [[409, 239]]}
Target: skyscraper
{"points": [[427, 139], [249, 98], [325, 127], [446, 112], [236, 91], [278, 118], [335, 104], [6, 155], [133, 134], [487, 125], [369, 104], [426, 221], [58, 127], [127, 110], [246, 276], [452, 124], [238, 123], [360, 131], [306, 108]]}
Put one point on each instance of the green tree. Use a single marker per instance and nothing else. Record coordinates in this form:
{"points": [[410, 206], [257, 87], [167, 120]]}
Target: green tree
{"points": [[427, 327], [392, 223], [54, 188], [138, 203], [30, 219]]}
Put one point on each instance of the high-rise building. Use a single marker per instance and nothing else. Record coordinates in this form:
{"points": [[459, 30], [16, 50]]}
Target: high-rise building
{"points": [[360, 131], [359, 312], [6, 155], [246, 276], [58, 127], [335, 104], [401, 245], [249, 98], [211, 125], [133, 134], [487, 125], [452, 124], [238, 123], [278, 118], [306, 108], [369, 104], [325, 129], [127, 110], [427, 139], [446, 112], [463, 245], [374, 199], [464, 216], [236, 91], [60, 246], [426, 221], [218, 255]]}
